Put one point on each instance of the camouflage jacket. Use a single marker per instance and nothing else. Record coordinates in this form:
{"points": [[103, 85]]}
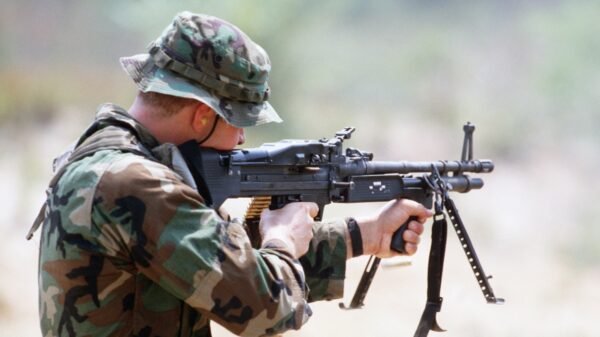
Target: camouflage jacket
{"points": [[129, 249]]}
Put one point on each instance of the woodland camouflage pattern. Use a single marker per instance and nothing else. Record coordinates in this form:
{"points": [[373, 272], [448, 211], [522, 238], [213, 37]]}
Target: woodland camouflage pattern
{"points": [[129, 249], [206, 58], [219, 51]]}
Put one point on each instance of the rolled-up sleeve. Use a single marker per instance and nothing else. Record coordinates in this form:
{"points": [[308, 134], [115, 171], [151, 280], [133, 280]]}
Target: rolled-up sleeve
{"points": [[325, 262]]}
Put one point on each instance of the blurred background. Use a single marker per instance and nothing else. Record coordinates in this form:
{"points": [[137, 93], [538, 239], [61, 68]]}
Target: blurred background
{"points": [[408, 75]]}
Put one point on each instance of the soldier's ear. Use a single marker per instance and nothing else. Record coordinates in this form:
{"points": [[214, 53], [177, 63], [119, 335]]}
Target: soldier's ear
{"points": [[202, 117]]}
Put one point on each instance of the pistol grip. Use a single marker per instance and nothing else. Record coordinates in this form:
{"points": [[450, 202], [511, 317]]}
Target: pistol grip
{"points": [[279, 201], [397, 239]]}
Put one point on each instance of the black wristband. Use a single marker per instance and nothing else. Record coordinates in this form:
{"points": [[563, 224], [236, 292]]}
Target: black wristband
{"points": [[355, 237]]}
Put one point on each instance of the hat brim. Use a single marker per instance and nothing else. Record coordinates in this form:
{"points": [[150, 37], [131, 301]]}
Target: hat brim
{"points": [[149, 77]]}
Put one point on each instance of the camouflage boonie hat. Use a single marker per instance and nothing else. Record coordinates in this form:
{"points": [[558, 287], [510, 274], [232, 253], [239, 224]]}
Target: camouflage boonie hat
{"points": [[208, 59]]}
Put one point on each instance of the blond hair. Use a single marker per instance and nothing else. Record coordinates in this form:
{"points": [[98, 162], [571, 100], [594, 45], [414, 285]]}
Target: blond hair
{"points": [[165, 105]]}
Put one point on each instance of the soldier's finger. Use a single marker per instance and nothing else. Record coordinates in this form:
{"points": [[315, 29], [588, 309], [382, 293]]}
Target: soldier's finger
{"points": [[312, 208], [416, 227], [410, 248], [416, 209], [411, 237]]}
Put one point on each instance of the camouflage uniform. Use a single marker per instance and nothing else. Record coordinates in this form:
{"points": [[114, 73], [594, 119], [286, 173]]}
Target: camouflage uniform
{"points": [[129, 249]]}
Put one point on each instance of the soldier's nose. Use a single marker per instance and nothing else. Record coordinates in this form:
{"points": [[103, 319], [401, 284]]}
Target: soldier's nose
{"points": [[242, 137]]}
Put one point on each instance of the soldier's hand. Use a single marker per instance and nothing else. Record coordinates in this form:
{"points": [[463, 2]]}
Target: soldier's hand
{"points": [[291, 224], [378, 229]]}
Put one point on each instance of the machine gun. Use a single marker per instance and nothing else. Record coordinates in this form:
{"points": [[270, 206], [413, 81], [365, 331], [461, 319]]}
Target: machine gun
{"points": [[320, 171]]}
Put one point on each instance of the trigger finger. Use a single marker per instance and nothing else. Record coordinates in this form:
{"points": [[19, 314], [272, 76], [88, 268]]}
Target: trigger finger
{"points": [[313, 209]]}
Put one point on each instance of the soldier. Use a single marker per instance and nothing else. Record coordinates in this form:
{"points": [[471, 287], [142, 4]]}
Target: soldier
{"points": [[128, 248]]}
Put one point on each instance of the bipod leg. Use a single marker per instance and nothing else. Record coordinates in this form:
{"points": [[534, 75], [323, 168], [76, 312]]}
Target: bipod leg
{"points": [[364, 284], [467, 246]]}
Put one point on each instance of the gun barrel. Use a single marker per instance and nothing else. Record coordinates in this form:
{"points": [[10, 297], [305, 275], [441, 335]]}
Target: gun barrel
{"points": [[456, 184], [405, 167]]}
